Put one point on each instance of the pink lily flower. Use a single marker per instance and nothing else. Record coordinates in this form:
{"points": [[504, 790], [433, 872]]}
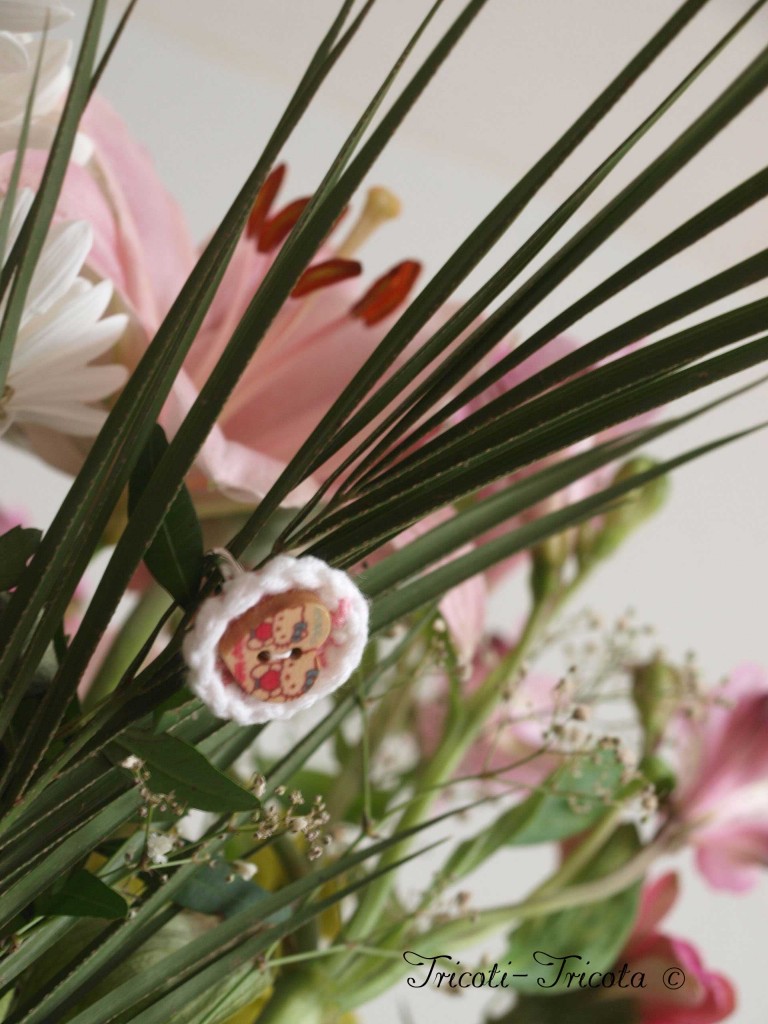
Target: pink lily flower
{"points": [[704, 997], [723, 790]]}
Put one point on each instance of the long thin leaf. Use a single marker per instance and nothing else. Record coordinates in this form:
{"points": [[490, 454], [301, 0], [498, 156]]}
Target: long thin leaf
{"points": [[328, 436], [540, 285], [748, 271], [169, 473], [18, 269], [477, 520], [237, 939], [394, 604], [77, 528], [582, 408], [713, 216], [395, 425]]}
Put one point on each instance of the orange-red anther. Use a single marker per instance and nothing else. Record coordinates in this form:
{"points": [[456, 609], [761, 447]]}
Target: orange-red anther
{"points": [[323, 274], [277, 228], [386, 294], [264, 200]]}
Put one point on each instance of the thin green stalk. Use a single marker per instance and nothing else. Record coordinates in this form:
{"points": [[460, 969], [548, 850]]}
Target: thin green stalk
{"points": [[132, 635], [481, 924], [457, 738], [583, 855]]}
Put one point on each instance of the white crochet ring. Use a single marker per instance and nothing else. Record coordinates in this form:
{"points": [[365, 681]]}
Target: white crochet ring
{"points": [[340, 604]]}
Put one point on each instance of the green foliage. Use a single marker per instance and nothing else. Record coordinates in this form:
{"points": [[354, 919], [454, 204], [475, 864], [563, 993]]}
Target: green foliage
{"points": [[83, 895], [595, 932], [188, 952], [175, 556], [16, 548], [177, 767], [570, 801], [216, 889]]}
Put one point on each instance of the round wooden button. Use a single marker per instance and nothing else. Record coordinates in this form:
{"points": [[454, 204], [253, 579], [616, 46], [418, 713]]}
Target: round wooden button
{"points": [[273, 651]]}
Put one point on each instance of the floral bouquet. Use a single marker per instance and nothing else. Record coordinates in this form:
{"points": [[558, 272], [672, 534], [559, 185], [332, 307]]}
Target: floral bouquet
{"points": [[259, 734]]}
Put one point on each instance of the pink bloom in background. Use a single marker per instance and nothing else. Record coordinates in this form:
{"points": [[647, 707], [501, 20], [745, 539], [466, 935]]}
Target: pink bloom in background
{"points": [[723, 790], [11, 517], [511, 749], [705, 997], [321, 337]]}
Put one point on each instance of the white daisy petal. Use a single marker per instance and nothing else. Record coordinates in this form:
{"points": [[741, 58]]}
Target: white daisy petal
{"points": [[52, 381], [64, 321], [52, 82], [62, 258], [81, 383], [73, 418], [85, 383], [98, 340]]}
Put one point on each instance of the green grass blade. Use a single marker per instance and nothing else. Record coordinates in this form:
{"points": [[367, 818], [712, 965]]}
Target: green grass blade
{"points": [[541, 284], [170, 471], [33, 614], [328, 436], [713, 216], [365, 528], [412, 409], [9, 199], [726, 283], [396, 603], [473, 522], [115, 38]]}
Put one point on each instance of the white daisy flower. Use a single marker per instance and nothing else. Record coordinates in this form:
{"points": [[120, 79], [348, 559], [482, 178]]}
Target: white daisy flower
{"points": [[18, 60], [52, 381], [32, 15]]}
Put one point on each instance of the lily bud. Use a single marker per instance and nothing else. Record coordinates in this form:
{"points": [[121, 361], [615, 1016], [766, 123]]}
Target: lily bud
{"points": [[655, 687], [596, 543], [548, 559], [659, 774]]}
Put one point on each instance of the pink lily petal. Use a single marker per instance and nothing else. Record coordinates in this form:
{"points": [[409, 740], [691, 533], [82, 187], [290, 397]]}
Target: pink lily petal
{"points": [[730, 856], [154, 247]]}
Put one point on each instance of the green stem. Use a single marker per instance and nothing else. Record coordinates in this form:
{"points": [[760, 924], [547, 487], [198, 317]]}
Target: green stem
{"points": [[584, 853], [458, 737], [480, 924], [153, 603], [297, 999]]}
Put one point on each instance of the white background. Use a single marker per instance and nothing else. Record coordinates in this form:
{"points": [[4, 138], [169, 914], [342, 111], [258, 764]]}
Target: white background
{"points": [[201, 84]]}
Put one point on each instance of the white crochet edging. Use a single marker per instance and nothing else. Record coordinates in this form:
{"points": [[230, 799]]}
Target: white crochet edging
{"points": [[341, 655]]}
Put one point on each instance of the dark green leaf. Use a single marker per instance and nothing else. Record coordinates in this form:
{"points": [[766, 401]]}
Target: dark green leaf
{"points": [[399, 419], [16, 548], [175, 556], [83, 895], [174, 710], [217, 889], [390, 606], [329, 435], [178, 768], [78, 527]]}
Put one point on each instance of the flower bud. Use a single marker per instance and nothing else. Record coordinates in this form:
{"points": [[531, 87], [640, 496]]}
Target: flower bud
{"points": [[634, 507], [655, 686], [548, 559], [659, 774]]}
